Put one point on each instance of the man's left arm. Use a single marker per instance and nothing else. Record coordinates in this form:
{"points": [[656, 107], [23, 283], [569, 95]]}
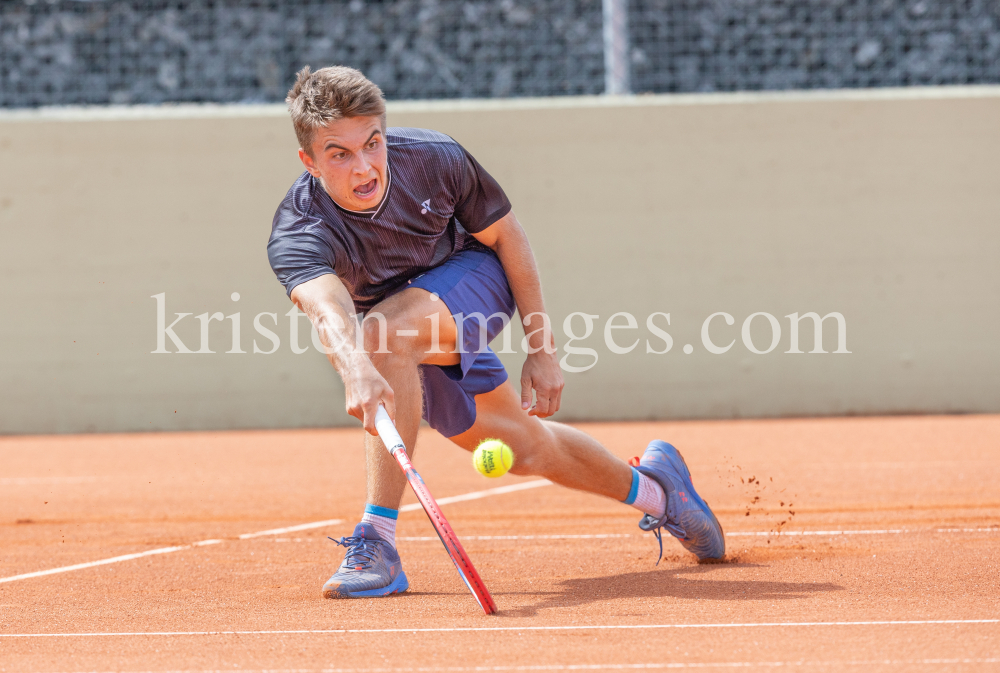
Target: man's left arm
{"points": [[541, 371]]}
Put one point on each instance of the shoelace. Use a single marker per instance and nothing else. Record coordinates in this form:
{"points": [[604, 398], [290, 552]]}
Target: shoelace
{"points": [[674, 529], [659, 538], [359, 554]]}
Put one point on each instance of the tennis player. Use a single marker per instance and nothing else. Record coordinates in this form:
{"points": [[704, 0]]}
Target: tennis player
{"points": [[404, 226]]}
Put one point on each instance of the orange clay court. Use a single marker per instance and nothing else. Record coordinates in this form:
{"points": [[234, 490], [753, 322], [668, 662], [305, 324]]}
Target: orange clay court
{"points": [[853, 544]]}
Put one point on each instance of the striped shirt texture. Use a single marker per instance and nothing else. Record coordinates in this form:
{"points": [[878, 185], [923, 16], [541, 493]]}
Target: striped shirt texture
{"points": [[437, 194]]}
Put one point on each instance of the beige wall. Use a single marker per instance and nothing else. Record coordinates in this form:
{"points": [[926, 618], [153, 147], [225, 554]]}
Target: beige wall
{"points": [[881, 206]]}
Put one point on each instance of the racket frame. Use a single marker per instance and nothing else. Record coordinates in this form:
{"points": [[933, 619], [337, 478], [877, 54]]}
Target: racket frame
{"points": [[463, 564]]}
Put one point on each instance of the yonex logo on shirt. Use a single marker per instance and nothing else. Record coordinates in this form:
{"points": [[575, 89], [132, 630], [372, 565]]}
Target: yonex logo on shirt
{"points": [[425, 205]]}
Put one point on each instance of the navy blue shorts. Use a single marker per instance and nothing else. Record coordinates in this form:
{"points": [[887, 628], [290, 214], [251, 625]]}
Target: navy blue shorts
{"points": [[473, 286]]}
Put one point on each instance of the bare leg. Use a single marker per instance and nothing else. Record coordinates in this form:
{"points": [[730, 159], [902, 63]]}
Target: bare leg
{"points": [[406, 311], [385, 480], [565, 455]]}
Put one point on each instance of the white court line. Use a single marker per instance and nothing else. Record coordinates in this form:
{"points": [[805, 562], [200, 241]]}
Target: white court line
{"points": [[732, 534], [292, 529], [475, 495], [601, 667], [595, 536], [860, 532], [815, 532], [114, 559], [764, 533], [455, 629], [164, 550]]}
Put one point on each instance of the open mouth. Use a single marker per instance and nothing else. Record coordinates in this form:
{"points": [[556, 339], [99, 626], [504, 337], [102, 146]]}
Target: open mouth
{"points": [[367, 189]]}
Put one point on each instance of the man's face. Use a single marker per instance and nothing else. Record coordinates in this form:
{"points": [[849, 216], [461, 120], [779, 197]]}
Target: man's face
{"points": [[348, 156]]}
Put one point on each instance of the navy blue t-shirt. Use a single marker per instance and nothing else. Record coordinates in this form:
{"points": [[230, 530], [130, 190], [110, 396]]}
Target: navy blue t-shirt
{"points": [[437, 194]]}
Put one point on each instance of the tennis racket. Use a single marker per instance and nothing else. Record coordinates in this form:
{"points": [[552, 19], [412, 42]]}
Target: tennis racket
{"points": [[393, 442]]}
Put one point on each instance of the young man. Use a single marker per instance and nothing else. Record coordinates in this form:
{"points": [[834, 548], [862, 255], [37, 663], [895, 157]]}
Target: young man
{"points": [[405, 226]]}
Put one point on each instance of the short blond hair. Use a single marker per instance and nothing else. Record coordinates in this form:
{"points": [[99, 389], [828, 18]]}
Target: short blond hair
{"points": [[331, 93]]}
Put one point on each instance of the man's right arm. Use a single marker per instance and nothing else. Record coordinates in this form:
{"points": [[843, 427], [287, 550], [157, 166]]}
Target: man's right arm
{"points": [[330, 308]]}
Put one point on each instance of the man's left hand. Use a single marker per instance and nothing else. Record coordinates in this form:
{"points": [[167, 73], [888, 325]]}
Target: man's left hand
{"points": [[542, 374]]}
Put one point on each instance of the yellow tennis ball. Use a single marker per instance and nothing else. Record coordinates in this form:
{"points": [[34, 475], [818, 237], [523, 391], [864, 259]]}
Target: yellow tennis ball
{"points": [[493, 458]]}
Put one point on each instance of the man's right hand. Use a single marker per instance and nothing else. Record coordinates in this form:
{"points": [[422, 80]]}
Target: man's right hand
{"points": [[365, 391]]}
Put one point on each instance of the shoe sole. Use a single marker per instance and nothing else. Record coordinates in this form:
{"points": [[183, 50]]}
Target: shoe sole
{"points": [[695, 522], [397, 586]]}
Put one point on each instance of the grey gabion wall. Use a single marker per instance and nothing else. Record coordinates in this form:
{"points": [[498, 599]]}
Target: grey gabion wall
{"points": [[66, 52], [734, 45], [150, 52]]}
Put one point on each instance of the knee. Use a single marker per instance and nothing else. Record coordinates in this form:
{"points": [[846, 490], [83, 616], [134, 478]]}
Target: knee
{"points": [[534, 452]]}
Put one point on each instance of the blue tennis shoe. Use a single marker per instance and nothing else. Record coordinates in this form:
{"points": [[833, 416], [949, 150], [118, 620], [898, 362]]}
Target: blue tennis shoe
{"points": [[688, 518], [371, 567]]}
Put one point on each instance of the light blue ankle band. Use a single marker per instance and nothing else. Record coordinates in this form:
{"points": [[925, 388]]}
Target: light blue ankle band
{"points": [[393, 513], [634, 491]]}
